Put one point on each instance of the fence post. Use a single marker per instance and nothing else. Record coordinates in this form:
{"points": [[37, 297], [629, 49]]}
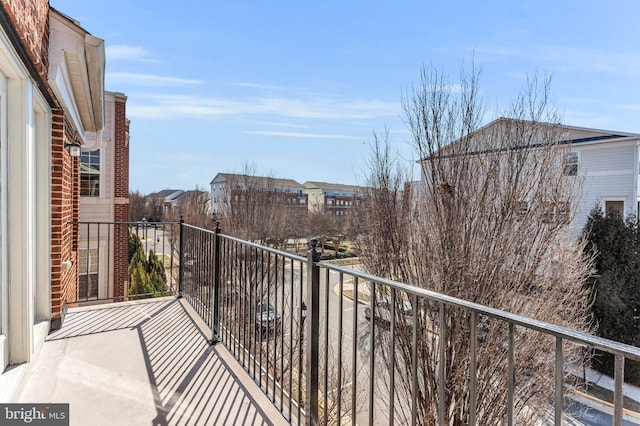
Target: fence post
{"points": [[313, 333], [181, 257], [216, 285]]}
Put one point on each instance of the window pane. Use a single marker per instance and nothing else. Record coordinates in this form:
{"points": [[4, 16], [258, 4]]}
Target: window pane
{"points": [[614, 207], [570, 164], [90, 174], [88, 286], [87, 265]]}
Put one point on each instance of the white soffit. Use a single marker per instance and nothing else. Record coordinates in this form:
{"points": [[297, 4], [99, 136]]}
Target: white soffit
{"points": [[76, 72]]}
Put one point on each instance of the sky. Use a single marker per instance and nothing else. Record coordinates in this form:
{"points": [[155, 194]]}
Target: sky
{"points": [[296, 89]]}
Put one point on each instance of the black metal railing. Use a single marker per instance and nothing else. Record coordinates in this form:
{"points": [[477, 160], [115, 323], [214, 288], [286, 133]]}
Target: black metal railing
{"points": [[332, 345], [104, 260], [300, 329]]}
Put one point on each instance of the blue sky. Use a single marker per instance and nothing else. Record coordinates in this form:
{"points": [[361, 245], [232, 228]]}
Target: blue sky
{"points": [[297, 88]]}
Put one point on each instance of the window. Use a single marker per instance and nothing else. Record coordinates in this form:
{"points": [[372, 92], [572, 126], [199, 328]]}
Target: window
{"points": [[90, 173], [522, 208], [557, 213], [570, 163], [88, 271], [547, 212], [614, 208], [563, 212]]}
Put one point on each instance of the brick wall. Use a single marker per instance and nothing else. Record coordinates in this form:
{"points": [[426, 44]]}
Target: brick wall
{"points": [[31, 19], [121, 195], [65, 208]]}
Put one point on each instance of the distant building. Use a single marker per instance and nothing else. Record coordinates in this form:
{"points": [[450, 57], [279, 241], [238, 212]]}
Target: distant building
{"points": [[104, 197], [163, 203], [607, 163], [333, 198], [195, 196], [228, 189]]}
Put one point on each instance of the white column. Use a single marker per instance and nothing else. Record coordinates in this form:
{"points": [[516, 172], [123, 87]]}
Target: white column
{"points": [[4, 290], [21, 220], [42, 142]]}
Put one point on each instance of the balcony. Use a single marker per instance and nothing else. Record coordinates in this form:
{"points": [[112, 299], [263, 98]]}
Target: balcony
{"points": [[144, 362], [240, 334]]}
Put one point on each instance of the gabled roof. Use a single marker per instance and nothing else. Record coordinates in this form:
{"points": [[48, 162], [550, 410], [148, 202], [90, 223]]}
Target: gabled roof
{"points": [[264, 180], [193, 194], [326, 186], [166, 194], [572, 135]]}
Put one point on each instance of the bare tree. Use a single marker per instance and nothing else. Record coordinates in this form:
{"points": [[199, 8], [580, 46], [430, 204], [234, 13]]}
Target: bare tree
{"points": [[319, 225], [258, 210], [194, 207], [488, 223], [137, 206]]}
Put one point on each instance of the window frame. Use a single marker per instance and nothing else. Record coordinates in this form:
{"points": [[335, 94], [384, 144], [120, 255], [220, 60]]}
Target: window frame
{"points": [[89, 266], [614, 200], [93, 189], [571, 163]]}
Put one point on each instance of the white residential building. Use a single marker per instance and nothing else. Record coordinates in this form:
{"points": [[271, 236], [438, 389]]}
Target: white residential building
{"points": [[606, 162]]}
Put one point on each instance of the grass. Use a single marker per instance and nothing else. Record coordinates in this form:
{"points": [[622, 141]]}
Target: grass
{"points": [[166, 262]]}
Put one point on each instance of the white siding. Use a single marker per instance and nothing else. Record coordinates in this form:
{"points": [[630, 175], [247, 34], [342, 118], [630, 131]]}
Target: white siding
{"points": [[100, 209], [608, 173]]}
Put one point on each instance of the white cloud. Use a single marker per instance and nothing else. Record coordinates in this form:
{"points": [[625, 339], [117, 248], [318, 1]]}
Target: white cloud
{"points": [[631, 107], [569, 58], [300, 135], [282, 125], [187, 106], [137, 79], [257, 86], [122, 52]]}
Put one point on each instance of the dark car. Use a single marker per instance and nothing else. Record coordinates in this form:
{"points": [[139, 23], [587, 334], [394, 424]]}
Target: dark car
{"points": [[266, 317]]}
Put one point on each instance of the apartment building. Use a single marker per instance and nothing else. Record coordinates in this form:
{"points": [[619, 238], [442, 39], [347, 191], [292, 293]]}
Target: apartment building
{"points": [[229, 188], [104, 197], [333, 198]]}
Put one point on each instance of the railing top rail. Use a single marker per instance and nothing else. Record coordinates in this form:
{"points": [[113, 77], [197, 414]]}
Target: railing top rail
{"points": [[269, 249], [198, 228], [606, 345], [103, 222]]}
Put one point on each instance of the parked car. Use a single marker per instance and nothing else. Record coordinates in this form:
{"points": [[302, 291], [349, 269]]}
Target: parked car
{"points": [[266, 317], [382, 312]]}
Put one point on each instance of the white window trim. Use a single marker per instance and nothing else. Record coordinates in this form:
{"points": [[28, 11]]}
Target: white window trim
{"points": [[577, 156], [603, 206]]}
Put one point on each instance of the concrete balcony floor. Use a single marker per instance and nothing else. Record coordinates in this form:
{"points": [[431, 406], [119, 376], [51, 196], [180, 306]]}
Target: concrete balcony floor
{"points": [[143, 363]]}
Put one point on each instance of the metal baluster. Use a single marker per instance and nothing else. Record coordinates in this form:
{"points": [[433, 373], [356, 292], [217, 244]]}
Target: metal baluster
{"points": [[511, 378], [559, 381], [473, 369], [312, 332]]}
